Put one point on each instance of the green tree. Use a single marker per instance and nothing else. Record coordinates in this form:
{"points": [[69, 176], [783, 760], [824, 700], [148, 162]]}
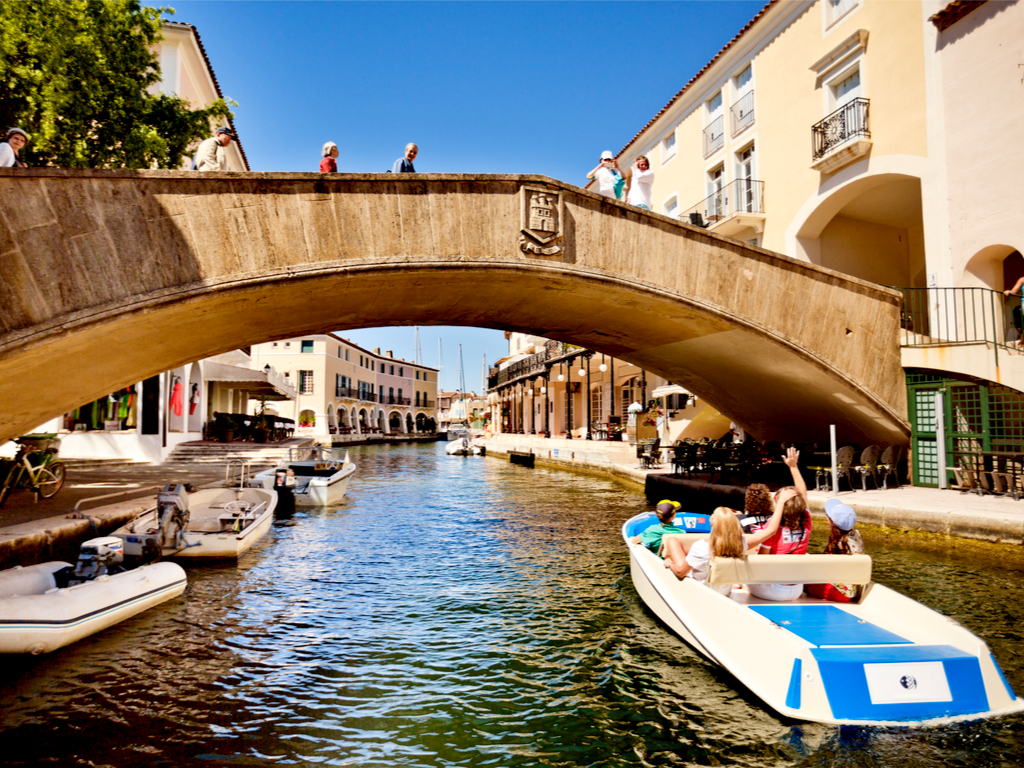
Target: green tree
{"points": [[78, 76]]}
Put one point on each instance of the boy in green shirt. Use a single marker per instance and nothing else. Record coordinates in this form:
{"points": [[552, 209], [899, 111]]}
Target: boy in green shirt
{"points": [[666, 511]]}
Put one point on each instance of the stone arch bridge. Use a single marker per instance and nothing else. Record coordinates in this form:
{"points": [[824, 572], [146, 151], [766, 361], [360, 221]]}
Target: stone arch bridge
{"points": [[109, 277]]}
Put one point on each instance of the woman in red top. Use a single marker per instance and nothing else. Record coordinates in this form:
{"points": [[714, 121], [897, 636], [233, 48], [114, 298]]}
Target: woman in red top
{"points": [[329, 164], [793, 536]]}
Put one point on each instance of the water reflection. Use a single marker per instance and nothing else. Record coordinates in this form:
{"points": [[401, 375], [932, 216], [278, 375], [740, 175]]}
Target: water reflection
{"points": [[456, 611]]}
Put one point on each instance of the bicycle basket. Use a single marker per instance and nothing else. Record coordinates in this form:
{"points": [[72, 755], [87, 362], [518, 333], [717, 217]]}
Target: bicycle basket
{"points": [[41, 442]]}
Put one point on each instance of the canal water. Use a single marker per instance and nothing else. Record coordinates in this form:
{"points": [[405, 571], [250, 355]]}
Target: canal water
{"points": [[459, 612]]}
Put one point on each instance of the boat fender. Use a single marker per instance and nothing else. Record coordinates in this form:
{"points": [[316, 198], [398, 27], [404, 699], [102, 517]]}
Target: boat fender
{"points": [[37, 649]]}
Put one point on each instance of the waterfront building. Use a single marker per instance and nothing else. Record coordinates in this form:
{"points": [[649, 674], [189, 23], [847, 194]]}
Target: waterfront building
{"points": [[876, 139], [549, 388], [462, 408], [345, 390]]}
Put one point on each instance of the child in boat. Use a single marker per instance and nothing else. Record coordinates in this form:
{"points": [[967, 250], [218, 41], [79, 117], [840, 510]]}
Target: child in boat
{"points": [[793, 536], [757, 507], [666, 512], [726, 540], [843, 539]]}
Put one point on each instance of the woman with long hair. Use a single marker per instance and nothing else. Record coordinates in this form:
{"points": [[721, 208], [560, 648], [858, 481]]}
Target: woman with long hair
{"points": [[726, 540]]}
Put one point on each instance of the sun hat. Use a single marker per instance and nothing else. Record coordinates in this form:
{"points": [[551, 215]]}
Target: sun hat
{"points": [[12, 131], [228, 131], [606, 155], [841, 514], [328, 147]]}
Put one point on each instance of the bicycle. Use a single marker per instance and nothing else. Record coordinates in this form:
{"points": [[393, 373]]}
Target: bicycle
{"points": [[35, 467]]}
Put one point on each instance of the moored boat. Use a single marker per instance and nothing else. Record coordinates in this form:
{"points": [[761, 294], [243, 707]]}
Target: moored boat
{"points": [[464, 446], [884, 660], [215, 523], [50, 605], [321, 475]]}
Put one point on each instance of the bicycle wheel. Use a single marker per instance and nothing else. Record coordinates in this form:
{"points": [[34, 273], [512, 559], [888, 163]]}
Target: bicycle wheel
{"points": [[9, 483], [50, 479]]}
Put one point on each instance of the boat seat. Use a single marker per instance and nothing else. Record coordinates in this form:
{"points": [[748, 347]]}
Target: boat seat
{"points": [[791, 569], [203, 526], [687, 538]]}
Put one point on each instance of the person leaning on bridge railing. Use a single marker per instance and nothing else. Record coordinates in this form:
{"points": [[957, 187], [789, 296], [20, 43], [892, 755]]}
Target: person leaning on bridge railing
{"points": [[609, 177], [404, 164], [639, 183], [16, 139], [210, 155], [1018, 310], [329, 163]]}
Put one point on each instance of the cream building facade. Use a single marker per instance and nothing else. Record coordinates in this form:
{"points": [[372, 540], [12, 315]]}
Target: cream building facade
{"points": [[879, 139], [344, 390]]}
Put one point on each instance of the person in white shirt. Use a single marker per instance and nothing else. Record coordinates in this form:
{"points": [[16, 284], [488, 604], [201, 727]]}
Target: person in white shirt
{"points": [[210, 155], [640, 183], [16, 139], [608, 175]]}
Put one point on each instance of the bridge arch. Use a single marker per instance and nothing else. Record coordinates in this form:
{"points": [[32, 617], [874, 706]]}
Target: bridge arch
{"points": [[182, 266]]}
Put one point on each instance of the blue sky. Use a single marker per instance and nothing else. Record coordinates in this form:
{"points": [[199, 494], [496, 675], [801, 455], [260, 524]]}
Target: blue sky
{"points": [[482, 87]]}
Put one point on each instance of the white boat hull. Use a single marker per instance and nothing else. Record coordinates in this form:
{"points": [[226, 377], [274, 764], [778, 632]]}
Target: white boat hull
{"points": [[316, 490], [210, 534], [885, 661], [37, 617]]}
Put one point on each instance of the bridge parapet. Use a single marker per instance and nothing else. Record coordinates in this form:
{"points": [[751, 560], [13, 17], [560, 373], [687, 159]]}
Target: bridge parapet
{"points": [[113, 276]]}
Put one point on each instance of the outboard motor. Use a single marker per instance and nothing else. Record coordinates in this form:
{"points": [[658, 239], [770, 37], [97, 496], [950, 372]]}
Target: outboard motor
{"points": [[284, 484], [172, 511], [98, 557]]}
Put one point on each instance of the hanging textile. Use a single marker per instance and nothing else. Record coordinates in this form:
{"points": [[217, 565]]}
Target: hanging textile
{"points": [[193, 399], [177, 396]]}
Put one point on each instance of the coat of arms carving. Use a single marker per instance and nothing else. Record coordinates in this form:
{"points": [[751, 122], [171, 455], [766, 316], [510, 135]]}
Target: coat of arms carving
{"points": [[541, 221]]}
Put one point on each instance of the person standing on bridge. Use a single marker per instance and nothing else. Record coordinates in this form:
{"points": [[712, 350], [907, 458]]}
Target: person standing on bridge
{"points": [[608, 175], [404, 164], [640, 183], [210, 155], [16, 139], [329, 164]]}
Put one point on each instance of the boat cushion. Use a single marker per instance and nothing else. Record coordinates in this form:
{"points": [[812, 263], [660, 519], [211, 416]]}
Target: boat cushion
{"points": [[791, 569], [827, 625]]}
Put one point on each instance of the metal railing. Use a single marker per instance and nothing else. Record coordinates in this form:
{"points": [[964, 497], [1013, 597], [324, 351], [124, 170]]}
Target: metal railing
{"points": [[714, 135], [847, 122], [739, 196], [534, 364], [742, 112], [934, 317]]}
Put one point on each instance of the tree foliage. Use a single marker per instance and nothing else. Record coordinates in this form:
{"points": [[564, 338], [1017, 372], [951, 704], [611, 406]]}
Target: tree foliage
{"points": [[80, 76]]}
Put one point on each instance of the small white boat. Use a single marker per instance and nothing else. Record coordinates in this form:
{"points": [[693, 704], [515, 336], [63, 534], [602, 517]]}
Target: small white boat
{"points": [[321, 475], [217, 523], [464, 446], [885, 660], [47, 606]]}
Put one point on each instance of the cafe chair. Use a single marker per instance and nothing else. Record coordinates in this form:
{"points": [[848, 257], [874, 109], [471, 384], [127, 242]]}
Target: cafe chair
{"points": [[823, 474], [868, 465], [889, 465]]}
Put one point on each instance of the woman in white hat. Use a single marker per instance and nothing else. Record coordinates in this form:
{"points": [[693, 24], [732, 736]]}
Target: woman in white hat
{"points": [[608, 175], [16, 139], [843, 539], [329, 163]]}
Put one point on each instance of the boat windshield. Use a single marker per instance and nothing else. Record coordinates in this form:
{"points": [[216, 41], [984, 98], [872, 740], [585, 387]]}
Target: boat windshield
{"points": [[317, 453]]}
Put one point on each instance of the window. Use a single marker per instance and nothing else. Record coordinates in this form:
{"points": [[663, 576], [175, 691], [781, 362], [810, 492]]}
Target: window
{"points": [[714, 122], [400, 396], [287, 343], [391, 395], [382, 368], [742, 110], [274, 344], [846, 90], [391, 370], [837, 10], [748, 192], [382, 393], [305, 382], [671, 207], [346, 355], [596, 403], [417, 397], [716, 199], [307, 346], [627, 395], [339, 353], [401, 371], [417, 375], [668, 147]]}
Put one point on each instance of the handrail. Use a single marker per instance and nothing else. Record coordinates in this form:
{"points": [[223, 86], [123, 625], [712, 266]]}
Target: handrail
{"points": [[938, 316], [149, 489], [746, 196], [845, 123]]}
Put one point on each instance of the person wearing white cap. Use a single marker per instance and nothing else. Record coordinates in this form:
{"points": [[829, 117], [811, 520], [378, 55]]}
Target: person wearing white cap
{"points": [[16, 139], [329, 163], [608, 175], [843, 539]]}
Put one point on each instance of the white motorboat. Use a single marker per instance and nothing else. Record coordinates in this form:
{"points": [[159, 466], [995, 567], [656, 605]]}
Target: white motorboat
{"points": [[321, 475], [464, 446], [207, 524], [885, 660], [47, 606]]}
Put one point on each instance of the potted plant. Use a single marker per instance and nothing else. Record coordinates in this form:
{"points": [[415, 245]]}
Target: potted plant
{"points": [[227, 429], [260, 427]]}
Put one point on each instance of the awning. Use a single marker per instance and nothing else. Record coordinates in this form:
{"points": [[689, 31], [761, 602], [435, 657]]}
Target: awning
{"points": [[670, 389], [257, 383]]}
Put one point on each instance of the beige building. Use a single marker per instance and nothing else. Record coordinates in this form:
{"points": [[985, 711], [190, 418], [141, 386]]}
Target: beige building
{"points": [[343, 389], [879, 139]]}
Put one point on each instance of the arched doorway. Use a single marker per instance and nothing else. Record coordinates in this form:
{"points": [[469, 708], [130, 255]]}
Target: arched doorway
{"points": [[394, 422], [408, 423]]}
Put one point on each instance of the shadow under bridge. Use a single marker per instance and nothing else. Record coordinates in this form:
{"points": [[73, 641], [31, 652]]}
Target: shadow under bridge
{"points": [[110, 277]]}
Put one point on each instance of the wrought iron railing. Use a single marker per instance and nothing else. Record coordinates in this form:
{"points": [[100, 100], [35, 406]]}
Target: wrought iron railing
{"points": [[847, 122], [739, 196], [714, 135], [934, 317], [553, 352], [742, 112]]}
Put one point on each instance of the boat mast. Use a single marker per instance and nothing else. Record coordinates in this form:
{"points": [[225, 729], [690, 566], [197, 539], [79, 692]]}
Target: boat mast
{"points": [[419, 352]]}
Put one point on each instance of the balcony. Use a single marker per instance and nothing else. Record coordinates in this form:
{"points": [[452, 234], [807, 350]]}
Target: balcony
{"points": [[742, 113], [534, 365], [737, 206], [714, 136], [842, 137]]}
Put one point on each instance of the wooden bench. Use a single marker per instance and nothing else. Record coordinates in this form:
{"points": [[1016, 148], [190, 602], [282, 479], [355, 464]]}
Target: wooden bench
{"points": [[791, 569]]}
